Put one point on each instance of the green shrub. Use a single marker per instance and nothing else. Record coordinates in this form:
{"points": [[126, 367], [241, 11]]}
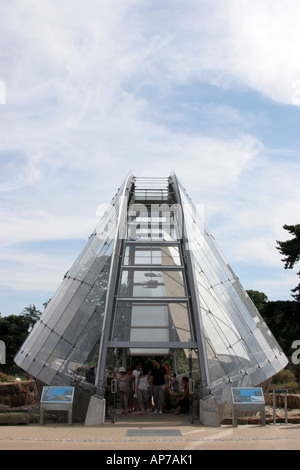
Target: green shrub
{"points": [[3, 377], [285, 379]]}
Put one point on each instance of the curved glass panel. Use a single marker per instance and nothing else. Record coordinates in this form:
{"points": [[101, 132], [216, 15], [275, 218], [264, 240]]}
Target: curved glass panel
{"points": [[64, 339], [241, 350]]}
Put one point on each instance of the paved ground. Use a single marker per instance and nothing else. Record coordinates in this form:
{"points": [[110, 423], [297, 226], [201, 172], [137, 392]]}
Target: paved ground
{"points": [[157, 433]]}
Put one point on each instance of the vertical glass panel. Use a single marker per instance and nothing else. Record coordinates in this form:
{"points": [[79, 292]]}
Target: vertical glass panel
{"points": [[171, 316], [150, 221], [141, 283], [179, 321], [142, 334], [152, 255], [147, 316], [170, 256]]}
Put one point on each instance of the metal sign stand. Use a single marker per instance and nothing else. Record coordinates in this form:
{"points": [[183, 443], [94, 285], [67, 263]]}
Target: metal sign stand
{"points": [[191, 400], [248, 399], [57, 399], [285, 407], [113, 386]]}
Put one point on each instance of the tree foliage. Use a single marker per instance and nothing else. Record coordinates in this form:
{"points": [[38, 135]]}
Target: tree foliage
{"points": [[258, 298], [14, 330], [281, 316], [290, 249], [31, 315], [283, 319]]}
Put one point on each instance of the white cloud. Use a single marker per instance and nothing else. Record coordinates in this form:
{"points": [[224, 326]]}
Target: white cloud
{"points": [[264, 38], [277, 288], [85, 51], [32, 271], [42, 226], [92, 92]]}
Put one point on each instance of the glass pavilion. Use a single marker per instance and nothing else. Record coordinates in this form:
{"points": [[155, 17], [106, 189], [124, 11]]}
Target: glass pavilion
{"points": [[151, 280]]}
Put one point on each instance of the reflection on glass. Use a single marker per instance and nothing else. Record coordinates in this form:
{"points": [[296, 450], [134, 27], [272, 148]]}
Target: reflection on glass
{"points": [[66, 336], [239, 348], [142, 283], [152, 221], [152, 255], [172, 317], [149, 315]]}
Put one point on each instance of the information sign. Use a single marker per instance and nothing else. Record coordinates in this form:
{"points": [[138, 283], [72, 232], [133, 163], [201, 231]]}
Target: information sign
{"points": [[248, 399], [57, 399], [247, 395], [57, 395]]}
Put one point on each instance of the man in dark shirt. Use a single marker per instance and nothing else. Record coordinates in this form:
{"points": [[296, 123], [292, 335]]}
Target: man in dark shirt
{"points": [[159, 383]]}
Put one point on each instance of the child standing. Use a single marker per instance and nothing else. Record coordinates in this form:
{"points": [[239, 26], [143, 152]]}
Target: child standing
{"points": [[143, 387], [130, 379], [123, 389], [108, 392]]}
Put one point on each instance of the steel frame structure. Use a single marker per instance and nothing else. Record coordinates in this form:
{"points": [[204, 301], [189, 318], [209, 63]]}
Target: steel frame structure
{"points": [[198, 297]]}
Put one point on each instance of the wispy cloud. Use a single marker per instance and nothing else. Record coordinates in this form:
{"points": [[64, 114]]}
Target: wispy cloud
{"points": [[94, 90], [264, 39]]}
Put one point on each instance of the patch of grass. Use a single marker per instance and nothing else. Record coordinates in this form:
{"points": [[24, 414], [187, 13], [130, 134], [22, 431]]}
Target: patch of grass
{"points": [[11, 377], [285, 380], [3, 377]]}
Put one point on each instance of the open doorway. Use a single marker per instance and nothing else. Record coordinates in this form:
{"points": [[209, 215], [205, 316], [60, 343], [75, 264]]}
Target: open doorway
{"points": [[133, 364]]}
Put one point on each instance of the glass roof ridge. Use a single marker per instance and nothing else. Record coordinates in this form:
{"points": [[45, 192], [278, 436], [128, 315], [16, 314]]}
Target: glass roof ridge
{"points": [[151, 189]]}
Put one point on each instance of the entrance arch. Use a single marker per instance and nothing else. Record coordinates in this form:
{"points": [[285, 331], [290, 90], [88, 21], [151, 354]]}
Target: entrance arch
{"points": [[183, 363]]}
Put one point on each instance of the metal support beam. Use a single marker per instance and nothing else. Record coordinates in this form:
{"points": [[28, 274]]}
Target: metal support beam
{"points": [[113, 277], [152, 344], [194, 301], [154, 300]]}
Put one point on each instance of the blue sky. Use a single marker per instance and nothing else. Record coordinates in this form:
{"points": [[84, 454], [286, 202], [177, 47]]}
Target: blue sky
{"points": [[209, 89]]}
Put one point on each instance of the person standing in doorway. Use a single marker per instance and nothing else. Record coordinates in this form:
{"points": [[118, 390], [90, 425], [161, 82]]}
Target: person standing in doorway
{"points": [[123, 389], [159, 383], [150, 391], [130, 388], [136, 373], [108, 390], [143, 387]]}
